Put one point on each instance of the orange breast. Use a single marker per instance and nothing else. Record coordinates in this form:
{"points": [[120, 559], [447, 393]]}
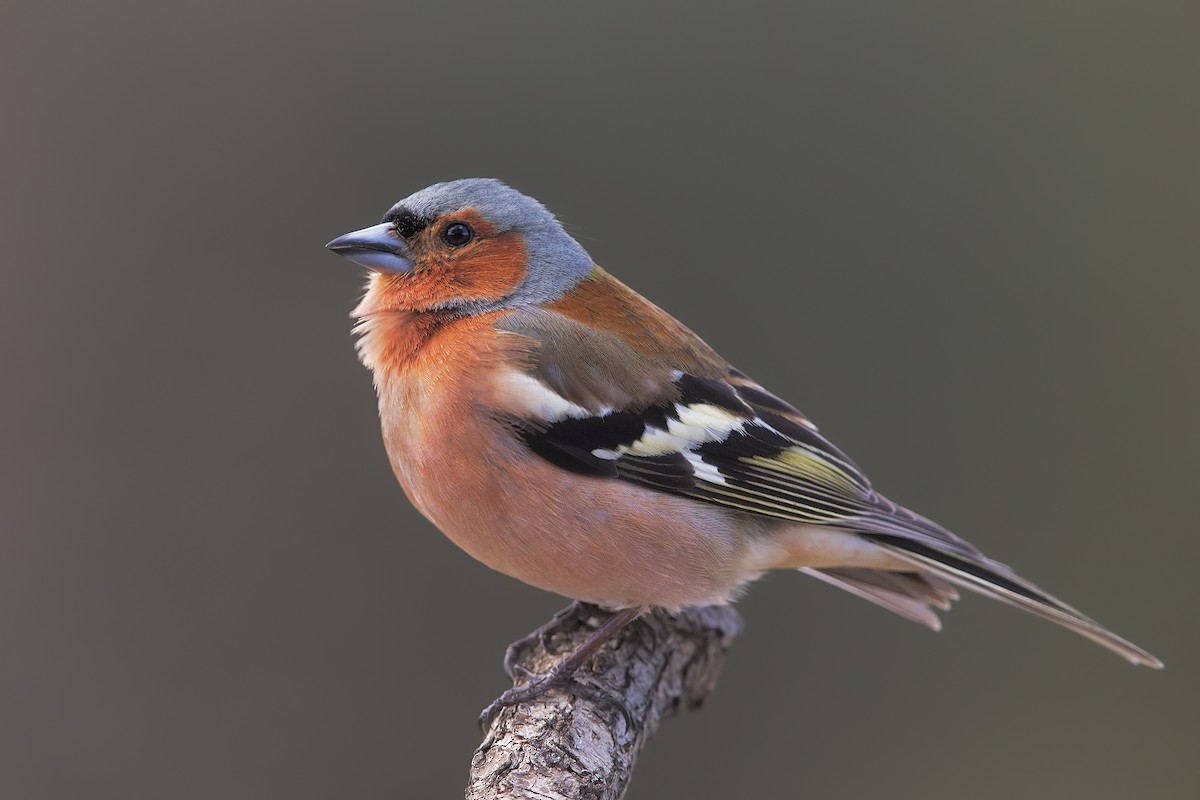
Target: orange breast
{"points": [[429, 371], [595, 539]]}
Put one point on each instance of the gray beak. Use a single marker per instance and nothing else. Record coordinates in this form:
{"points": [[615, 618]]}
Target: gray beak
{"points": [[379, 248]]}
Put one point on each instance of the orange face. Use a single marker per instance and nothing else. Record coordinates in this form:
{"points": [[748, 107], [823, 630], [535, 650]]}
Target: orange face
{"points": [[488, 267]]}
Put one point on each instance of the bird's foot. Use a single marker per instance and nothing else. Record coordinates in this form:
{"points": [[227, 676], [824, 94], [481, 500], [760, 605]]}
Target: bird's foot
{"points": [[540, 636], [556, 678], [563, 673]]}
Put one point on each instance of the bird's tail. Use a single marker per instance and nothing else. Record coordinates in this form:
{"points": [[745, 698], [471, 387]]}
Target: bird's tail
{"points": [[912, 595], [994, 580]]}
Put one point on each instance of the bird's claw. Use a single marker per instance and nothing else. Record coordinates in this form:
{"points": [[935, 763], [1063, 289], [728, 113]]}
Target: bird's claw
{"points": [[563, 673], [544, 683], [512, 654]]}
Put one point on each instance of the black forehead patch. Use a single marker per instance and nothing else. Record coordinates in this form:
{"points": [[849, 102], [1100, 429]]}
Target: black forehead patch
{"points": [[407, 222]]}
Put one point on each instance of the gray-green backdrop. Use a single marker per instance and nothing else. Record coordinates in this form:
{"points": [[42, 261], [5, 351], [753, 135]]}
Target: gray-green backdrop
{"points": [[962, 237]]}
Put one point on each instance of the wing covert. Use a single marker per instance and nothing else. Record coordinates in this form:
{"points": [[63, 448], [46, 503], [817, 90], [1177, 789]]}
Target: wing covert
{"points": [[716, 441]]}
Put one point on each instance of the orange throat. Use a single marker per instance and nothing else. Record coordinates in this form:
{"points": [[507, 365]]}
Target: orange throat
{"points": [[392, 340], [395, 340]]}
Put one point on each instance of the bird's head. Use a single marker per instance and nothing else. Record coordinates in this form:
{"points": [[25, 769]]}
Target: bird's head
{"points": [[468, 246]]}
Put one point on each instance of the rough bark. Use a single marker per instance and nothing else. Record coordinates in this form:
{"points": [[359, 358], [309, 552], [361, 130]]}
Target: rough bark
{"points": [[562, 745]]}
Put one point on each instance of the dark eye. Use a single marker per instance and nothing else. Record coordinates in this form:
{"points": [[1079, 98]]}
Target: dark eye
{"points": [[456, 234]]}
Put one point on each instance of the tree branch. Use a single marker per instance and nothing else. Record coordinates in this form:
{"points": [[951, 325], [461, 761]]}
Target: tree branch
{"points": [[562, 746]]}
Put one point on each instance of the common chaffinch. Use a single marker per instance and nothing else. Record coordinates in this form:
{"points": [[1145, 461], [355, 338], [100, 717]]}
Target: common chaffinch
{"points": [[567, 432]]}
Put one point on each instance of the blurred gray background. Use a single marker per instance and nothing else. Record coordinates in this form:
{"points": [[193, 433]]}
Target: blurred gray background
{"points": [[964, 239]]}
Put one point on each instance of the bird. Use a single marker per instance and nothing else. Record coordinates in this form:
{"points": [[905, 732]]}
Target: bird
{"points": [[565, 431]]}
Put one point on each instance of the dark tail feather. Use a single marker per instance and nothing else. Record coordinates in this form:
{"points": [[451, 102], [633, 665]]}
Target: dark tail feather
{"points": [[1000, 583]]}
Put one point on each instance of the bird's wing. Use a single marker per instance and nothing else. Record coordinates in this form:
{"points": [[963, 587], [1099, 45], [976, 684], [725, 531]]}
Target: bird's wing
{"points": [[692, 425], [700, 429]]}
